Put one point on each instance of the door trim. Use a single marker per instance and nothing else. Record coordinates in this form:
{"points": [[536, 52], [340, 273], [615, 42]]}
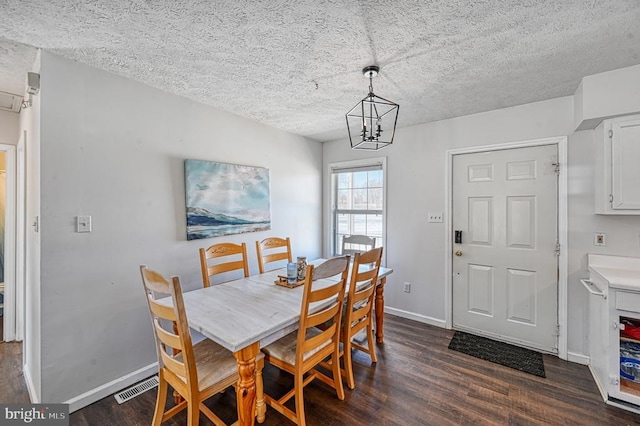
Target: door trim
{"points": [[9, 330], [563, 259]]}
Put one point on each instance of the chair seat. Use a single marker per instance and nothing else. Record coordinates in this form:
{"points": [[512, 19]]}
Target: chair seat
{"points": [[285, 349], [214, 363]]}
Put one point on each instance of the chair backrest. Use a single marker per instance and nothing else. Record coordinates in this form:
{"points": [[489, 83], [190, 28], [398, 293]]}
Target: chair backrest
{"points": [[170, 341], [328, 340], [364, 277], [272, 250], [352, 244], [214, 260]]}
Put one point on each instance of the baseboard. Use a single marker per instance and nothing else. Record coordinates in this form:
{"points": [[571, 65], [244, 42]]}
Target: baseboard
{"points": [[577, 358], [110, 388], [416, 317], [33, 395]]}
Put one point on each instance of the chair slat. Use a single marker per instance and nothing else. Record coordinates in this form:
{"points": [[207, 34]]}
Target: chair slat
{"points": [[162, 311]]}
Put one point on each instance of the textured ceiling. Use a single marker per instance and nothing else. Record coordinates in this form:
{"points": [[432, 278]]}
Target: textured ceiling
{"points": [[296, 65]]}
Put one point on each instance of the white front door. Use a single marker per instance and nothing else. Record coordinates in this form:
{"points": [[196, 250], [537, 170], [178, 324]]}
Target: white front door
{"points": [[505, 267]]}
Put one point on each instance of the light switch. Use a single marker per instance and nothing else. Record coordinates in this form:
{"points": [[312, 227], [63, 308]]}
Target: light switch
{"points": [[434, 217], [83, 223]]}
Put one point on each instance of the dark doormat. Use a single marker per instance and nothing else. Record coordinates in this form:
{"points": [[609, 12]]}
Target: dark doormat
{"points": [[501, 353]]}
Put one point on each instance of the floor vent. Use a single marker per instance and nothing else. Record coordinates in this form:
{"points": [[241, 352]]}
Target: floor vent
{"points": [[136, 390]]}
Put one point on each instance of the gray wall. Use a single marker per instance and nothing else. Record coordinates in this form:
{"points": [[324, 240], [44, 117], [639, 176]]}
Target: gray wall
{"points": [[114, 149], [416, 185], [9, 127]]}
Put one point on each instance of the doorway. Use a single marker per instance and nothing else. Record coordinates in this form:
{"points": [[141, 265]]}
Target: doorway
{"points": [[506, 270]]}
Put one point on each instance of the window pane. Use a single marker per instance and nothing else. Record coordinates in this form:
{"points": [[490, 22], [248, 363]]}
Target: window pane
{"points": [[343, 224], [359, 199], [374, 228], [360, 179], [359, 224], [375, 179], [344, 199], [344, 180], [375, 199]]}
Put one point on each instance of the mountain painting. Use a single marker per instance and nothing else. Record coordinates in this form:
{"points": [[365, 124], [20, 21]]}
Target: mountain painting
{"points": [[225, 199]]}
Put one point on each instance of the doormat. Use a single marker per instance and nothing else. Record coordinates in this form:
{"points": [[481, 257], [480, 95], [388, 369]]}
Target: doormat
{"points": [[501, 353]]}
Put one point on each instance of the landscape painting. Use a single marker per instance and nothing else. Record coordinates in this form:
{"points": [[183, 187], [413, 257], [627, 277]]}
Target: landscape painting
{"points": [[224, 199]]}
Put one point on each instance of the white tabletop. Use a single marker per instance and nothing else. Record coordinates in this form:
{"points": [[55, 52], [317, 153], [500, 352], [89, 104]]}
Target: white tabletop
{"points": [[241, 312]]}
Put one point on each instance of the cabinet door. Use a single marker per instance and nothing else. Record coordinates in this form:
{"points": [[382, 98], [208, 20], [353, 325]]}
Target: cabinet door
{"points": [[625, 167]]}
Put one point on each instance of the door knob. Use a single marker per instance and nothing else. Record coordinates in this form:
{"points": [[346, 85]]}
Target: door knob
{"points": [[458, 253]]}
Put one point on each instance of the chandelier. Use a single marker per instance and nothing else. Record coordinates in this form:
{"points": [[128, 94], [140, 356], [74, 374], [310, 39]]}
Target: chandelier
{"points": [[372, 122]]}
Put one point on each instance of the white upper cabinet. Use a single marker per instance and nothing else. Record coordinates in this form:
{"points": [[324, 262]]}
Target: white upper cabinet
{"points": [[617, 168]]}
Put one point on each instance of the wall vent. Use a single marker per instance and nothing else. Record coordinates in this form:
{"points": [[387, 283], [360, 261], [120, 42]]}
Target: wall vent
{"points": [[10, 102], [136, 390]]}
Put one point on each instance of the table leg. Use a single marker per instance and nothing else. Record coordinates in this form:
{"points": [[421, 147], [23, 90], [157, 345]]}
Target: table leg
{"points": [[261, 406], [380, 309], [246, 389]]}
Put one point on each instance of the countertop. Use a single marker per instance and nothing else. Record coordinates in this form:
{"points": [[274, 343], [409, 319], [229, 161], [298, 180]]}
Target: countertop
{"points": [[620, 272]]}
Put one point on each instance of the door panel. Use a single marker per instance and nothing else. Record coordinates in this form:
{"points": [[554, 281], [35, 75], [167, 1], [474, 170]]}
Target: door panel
{"points": [[481, 289], [505, 273], [521, 222], [481, 220], [521, 296]]}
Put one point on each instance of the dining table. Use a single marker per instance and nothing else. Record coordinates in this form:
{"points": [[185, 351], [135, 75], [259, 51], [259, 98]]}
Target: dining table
{"points": [[246, 314]]}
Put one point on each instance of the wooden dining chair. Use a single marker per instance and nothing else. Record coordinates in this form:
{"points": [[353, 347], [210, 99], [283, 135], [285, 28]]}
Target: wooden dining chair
{"points": [[358, 314], [195, 372], [352, 244], [272, 250], [222, 258], [300, 352]]}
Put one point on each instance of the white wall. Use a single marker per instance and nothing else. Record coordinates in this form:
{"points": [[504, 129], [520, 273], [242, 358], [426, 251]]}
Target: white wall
{"points": [[114, 149], [9, 127], [416, 185]]}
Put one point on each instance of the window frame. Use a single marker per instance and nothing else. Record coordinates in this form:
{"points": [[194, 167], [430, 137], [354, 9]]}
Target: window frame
{"points": [[332, 194]]}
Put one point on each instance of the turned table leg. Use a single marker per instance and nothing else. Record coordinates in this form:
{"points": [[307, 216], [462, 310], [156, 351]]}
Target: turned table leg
{"points": [[261, 406], [379, 306], [246, 389]]}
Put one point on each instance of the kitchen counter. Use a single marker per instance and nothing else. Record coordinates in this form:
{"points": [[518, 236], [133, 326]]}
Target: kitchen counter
{"points": [[621, 272]]}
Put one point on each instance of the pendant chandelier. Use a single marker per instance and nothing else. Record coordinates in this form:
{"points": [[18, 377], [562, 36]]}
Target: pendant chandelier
{"points": [[372, 122]]}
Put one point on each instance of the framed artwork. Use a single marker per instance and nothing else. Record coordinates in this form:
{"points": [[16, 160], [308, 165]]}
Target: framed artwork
{"points": [[225, 199]]}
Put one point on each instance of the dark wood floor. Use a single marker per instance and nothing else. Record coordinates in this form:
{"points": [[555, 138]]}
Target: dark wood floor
{"points": [[417, 381]]}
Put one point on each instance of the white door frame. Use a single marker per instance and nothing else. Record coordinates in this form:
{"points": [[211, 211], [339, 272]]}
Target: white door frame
{"points": [[9, 329], [563, 259], [21, 223]]}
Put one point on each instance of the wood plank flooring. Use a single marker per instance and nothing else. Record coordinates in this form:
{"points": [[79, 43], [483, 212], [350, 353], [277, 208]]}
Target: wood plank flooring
{"points": [[417, 381]]}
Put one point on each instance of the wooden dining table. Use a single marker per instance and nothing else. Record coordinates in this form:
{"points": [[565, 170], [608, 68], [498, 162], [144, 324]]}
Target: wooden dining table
{"points": [[249, 313]]}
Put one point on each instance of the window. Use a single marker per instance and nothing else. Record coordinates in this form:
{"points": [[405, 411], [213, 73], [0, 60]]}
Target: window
{"points": [[357, 201]]}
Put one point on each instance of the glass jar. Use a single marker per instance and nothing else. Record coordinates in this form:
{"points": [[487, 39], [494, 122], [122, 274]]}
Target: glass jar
{"points": [[292, 273], [302, 267]]}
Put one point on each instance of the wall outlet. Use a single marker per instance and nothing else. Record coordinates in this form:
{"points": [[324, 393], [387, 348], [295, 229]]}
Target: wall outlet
{"points": [[407, 287], [434, 217], [599, 239]]}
